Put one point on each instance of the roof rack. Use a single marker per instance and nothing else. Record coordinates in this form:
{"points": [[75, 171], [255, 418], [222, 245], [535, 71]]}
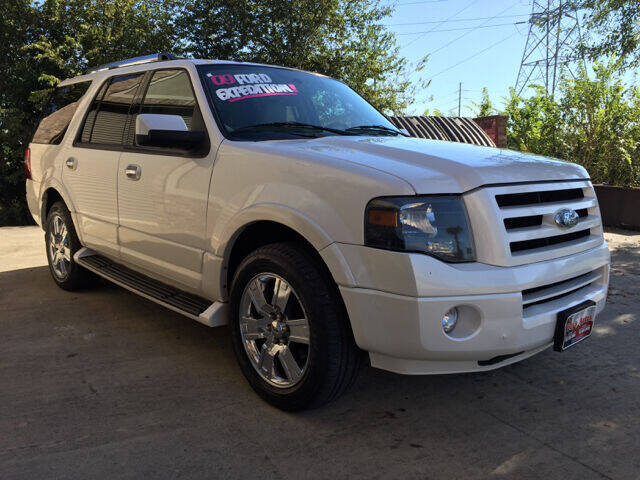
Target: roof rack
{"points": [[156, 57]]}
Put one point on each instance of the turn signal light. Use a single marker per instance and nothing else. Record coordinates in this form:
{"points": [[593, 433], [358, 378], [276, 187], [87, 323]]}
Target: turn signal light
{"points": [[383, 218]]}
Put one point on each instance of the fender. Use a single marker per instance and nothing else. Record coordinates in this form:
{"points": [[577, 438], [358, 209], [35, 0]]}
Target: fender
{"points": [[53, 183], [215, 262], [275, 212]]}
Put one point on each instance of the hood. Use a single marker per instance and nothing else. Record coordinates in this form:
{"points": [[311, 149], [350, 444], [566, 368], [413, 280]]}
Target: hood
{"points": [[433, 166]]}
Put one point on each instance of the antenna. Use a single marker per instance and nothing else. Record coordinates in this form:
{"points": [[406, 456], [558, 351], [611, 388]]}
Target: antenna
{"points": [[552, 45]]}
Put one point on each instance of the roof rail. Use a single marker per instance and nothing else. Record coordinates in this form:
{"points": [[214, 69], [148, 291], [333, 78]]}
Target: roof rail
{"points": [[156, 57]]}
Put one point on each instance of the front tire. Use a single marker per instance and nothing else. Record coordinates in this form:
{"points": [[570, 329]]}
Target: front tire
{"points": [[62, 243], [289, 329]]}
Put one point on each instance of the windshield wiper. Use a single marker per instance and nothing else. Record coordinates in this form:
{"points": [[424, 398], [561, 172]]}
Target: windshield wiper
{"points": [[375, 128], [290, 125]]}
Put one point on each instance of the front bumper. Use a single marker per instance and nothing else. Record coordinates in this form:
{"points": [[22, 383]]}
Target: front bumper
{"points": [[396, 301]]}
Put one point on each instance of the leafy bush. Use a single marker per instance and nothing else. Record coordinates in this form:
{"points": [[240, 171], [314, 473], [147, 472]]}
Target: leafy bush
{"points": [[45, 41], [595, 123]]}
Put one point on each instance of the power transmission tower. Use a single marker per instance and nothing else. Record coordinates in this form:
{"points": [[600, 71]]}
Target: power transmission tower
{"points": [[552, 45]]}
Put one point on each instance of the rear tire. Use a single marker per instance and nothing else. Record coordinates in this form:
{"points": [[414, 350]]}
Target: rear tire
{"points": [[289, 329], [62, 244]]}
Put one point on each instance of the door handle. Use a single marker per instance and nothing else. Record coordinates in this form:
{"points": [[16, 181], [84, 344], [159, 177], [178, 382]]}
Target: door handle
{"points": [[71, 163], [133, 172]]}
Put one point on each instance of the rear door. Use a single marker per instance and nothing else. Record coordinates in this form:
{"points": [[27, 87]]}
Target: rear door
{"points": [[163, 212], [91, 164]]}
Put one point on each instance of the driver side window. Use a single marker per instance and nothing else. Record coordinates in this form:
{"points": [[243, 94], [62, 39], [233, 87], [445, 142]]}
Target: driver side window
{"points": [[170, 93]]}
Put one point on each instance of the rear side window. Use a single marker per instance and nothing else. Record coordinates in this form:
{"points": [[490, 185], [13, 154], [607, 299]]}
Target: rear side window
{"points": [[108, 115], [170, 93], [52, 128]]}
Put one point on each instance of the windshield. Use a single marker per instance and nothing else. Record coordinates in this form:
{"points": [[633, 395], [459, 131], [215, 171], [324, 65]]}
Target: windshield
{"points": [[266, 103]]}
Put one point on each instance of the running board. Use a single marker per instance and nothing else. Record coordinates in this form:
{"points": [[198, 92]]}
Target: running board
{"points": [[197, 308]]}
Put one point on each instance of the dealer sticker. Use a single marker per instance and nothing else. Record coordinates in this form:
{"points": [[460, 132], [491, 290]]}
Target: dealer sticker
{"points": [[240, 86]]}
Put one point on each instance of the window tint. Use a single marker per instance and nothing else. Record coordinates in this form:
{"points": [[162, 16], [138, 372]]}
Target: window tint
{"points": [[170, 93], [109, 114], [64, 105]]}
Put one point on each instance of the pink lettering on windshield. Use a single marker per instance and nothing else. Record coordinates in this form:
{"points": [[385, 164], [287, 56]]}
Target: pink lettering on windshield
{"points": [[222, 79], [233, 94]]}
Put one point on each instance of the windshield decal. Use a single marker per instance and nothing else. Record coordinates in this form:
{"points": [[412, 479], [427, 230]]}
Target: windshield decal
{"points": [[249, 85]]}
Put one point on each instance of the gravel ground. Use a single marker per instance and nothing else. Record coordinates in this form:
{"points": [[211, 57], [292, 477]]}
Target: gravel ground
{"points": [[104, 384]]}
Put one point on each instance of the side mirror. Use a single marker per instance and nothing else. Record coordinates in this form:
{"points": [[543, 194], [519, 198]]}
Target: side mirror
{"points": [[166, 131]]}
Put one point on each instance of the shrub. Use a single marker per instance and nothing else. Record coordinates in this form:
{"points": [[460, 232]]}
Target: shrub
{"points": [[595, 123]]}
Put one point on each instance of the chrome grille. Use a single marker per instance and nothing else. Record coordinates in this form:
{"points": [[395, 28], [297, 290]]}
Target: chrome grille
{"points": [[528, 218], [533, 198], [515, 225]]}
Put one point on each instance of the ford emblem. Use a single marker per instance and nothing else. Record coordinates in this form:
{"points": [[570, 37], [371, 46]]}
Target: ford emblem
{"points": [[566, 218]]}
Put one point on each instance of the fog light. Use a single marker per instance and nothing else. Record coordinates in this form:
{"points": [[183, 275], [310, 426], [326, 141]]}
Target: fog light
{"points": [[449, 320]]}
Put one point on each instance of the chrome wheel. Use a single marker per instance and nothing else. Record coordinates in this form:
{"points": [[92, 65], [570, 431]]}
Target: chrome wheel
{"points": [[274, 330], [59, 250]]}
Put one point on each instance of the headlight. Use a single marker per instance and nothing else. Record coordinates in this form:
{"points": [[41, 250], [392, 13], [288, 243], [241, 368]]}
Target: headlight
{"points": [[435, 225]]}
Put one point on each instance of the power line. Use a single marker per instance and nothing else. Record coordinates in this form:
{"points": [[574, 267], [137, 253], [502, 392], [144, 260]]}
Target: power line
{"points": [[400, 4], [454, 102], [455, 20], [457, 29], [443, 21], [475, 55], [467, 33]]}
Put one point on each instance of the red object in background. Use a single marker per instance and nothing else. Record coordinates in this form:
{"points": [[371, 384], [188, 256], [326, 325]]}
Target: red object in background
{"points": [[496, 127], [27, 163]]}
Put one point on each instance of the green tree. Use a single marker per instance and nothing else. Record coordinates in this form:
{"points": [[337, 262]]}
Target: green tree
{"points": [[435, 113], [77, 34], [614, 29], [485, 107], [44, 42], [16, 114], [533, 124], [342, 39], [601, 119], [596, 123]]}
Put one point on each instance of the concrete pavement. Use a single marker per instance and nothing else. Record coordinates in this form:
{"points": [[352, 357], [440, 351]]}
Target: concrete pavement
{"points": [[104, 384]]}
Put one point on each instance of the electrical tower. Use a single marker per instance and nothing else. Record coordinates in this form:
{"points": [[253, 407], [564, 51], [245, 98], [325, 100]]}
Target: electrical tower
{"points": [[552, 45]]}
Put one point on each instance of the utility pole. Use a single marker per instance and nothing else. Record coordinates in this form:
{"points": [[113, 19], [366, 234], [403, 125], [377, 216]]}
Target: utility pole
{"points": [[551, 48], [459, 97]]}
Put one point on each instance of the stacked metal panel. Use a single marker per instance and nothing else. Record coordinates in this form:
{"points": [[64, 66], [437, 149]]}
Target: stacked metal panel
{"points": [[452, 129]]}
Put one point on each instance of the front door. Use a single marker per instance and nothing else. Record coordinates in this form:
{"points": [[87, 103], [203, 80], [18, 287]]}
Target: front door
{"points": [[162, 193], [91, 164]]}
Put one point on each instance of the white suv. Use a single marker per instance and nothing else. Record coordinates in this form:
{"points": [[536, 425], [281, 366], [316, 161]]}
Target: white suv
{"points": [[283, 204]]}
